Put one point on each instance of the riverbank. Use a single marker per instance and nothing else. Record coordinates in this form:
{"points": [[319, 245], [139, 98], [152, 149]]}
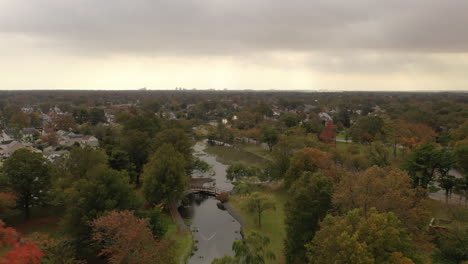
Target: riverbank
{"points": [[272, 222]]}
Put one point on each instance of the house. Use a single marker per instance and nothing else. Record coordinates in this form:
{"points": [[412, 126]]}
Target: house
{"points": [[8, 147], [325, 116], [29, 134], [90, 141]]}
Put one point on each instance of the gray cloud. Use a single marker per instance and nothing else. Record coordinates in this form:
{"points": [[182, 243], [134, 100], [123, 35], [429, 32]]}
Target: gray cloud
{"points": [[223, 27]]}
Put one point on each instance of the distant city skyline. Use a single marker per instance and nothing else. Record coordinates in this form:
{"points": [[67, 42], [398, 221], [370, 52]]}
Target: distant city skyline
{"points": [[332, 45]]}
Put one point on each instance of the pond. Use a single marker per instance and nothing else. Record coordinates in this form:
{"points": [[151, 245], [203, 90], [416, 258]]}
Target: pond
{"points": [[214, 228]]}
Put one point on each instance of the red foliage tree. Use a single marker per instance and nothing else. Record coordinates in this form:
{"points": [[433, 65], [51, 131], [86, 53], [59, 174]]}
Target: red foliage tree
{"points": [[23, 251], [328, 134], [127, 238]]}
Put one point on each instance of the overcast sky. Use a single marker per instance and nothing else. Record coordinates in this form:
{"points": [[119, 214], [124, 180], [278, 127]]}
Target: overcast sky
{"points": [[234, 44]]}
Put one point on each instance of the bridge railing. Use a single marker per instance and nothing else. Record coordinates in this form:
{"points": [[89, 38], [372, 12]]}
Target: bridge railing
{"points": [[205, 189]]}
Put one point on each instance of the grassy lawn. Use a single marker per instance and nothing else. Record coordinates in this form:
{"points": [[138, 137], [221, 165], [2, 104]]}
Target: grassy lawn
{"points": [[255, 149], [229, 155], [272, 223], [457, 213], [182, 239]]}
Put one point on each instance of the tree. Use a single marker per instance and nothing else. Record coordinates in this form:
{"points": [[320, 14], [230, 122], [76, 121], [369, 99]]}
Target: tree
{"points": [[257, 203], [379, 155], [100, 191], [237, 171], [63, 122], [124, 238], [251, 250], [461, 153], [119, 160], [308, 201], [51, 138], [82, 160], [156, 221], [377, 238], [270, 136], [96, 116], [328, 134], [454, 244], [164, 177], [137, 145], [447, 182], [307, 159], [284, 150], [179, 141], [17, 250], [423, 163], [386, 189], [366, 129], [28, 175]]}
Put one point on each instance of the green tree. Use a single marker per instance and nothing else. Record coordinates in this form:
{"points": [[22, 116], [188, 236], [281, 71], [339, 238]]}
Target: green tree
{"points": [[164, 177], [309, 199], [377, 238], [102, 190], [461, 153], [237, 171], [424, 162], [96, 116], [28, 175], [454, 244], [137, 145], [82, 160], [257, 203], [366, 129], [251, 250], [179, 141], [270, 136]]}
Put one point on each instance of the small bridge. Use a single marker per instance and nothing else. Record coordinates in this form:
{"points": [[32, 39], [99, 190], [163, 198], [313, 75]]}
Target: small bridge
{"points": [[208, 190]]}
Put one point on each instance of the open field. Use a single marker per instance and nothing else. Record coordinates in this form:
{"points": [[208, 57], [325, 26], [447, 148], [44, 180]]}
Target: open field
{"points": [[272, 222]]}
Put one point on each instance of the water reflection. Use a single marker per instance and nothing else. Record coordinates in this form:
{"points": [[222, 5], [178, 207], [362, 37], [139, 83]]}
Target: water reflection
{"points": [[213, 228]]}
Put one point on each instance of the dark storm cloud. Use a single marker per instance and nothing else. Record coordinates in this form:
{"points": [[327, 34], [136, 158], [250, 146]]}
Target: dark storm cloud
{"points": [[230, 27]]}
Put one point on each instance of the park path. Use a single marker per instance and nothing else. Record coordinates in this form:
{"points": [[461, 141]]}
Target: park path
{"points": [[177, 217]]}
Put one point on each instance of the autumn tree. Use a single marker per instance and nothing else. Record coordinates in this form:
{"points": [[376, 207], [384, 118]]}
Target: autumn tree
{"points": [[386, 189], [16, 249], [51, 138], [328, 134], [63, 122], [284, 150], [309, 199], [164, 177], [257, 203], [28, 175], [253, 249], [377, 238], [307, 159], [125, 238]]}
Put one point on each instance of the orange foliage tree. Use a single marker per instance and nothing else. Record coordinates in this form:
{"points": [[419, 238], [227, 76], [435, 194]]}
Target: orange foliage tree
{"points": [[126, 238], [311, 160]]}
